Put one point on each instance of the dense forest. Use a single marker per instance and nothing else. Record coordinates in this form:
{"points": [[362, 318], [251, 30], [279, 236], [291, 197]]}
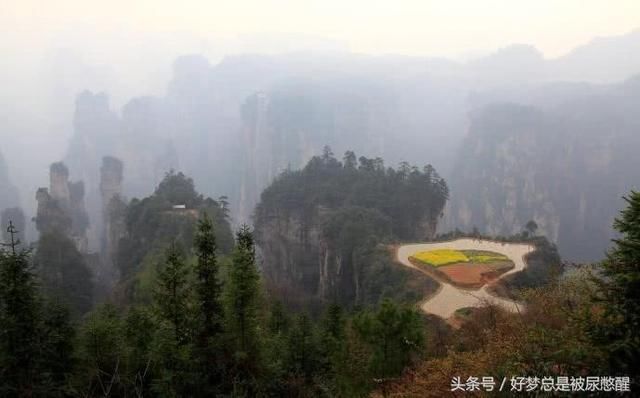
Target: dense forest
{"points": [[197, 322], [319, 228], [198, 312]]}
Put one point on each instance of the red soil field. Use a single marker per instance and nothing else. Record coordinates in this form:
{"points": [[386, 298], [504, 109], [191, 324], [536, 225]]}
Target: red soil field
{"points": [[473, 275]]}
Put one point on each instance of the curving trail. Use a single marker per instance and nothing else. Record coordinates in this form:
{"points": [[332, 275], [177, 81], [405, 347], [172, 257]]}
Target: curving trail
{"points": [[449, 298]]}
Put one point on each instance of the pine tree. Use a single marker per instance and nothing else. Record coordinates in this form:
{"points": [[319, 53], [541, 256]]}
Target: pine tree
{"points": [[620, 294], [208, 290], [392, 333], [275, 344], [172, 294], [333, 342], [303, 350], [18, 321], [57, 349], [63, 272], [334, 322], [173, 340], [278, 323], [242, 300], [101, 353], [139, 327]]}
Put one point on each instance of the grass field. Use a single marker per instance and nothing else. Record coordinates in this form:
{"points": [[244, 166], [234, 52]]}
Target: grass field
{"points": [[442, 257], [484, 257]]}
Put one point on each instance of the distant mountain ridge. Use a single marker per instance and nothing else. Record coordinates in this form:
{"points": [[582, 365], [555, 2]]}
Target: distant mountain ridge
{"points": [[235, 125], [564, 166]]}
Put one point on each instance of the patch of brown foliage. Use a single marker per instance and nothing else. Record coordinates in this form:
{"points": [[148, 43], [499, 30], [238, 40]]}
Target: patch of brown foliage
{"points": [[549, 339]]}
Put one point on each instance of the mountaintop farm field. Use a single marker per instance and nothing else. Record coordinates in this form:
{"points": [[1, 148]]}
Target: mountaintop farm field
{"points": [[464, 268]]}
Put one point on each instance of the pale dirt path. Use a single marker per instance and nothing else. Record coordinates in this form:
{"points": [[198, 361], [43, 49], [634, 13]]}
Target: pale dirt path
{"points": [[449, 298]]}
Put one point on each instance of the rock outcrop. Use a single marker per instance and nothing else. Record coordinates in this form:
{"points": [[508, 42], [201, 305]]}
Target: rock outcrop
{"points": [[61, 207], [113, 215]]}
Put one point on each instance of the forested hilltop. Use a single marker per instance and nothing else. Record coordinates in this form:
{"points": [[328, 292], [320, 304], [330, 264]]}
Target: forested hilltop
{"points": [[319, 228], [143, 228]]}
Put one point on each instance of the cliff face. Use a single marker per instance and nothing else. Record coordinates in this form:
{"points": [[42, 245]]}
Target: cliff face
{"points": [[566, 168], [324, 255], [113, 216]]}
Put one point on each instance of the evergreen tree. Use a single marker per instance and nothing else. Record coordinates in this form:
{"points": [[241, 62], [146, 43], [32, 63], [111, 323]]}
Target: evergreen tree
{"points": [[275, 344], [349, 160], [620, 294], [392, 333], [57, 349], [303, 350], [210, 312], [101, 353], [172, 294], [278, 323], [242, 301], [333, 329], [173, 340], [18, 321], [64, 273], [531, 227], [139, 327]]}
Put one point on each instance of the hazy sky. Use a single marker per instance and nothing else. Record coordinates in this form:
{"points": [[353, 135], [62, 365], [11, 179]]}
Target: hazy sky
{"points": [[52, 49], [417, 27]]}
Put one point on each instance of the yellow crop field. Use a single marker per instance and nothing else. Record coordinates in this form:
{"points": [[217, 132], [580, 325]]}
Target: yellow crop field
{"points": [[441, 257]]}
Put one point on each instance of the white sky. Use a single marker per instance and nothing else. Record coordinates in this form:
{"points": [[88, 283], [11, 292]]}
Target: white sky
{"points": [[412, 27]]}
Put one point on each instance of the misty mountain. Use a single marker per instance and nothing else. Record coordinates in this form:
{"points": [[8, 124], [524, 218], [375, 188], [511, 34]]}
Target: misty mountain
{"points": [[565, 166], [603, 60], [233, 126]]}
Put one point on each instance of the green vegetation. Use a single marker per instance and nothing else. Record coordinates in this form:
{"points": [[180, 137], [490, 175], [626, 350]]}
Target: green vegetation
{"points": [[484, 256], [63, 272]]}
